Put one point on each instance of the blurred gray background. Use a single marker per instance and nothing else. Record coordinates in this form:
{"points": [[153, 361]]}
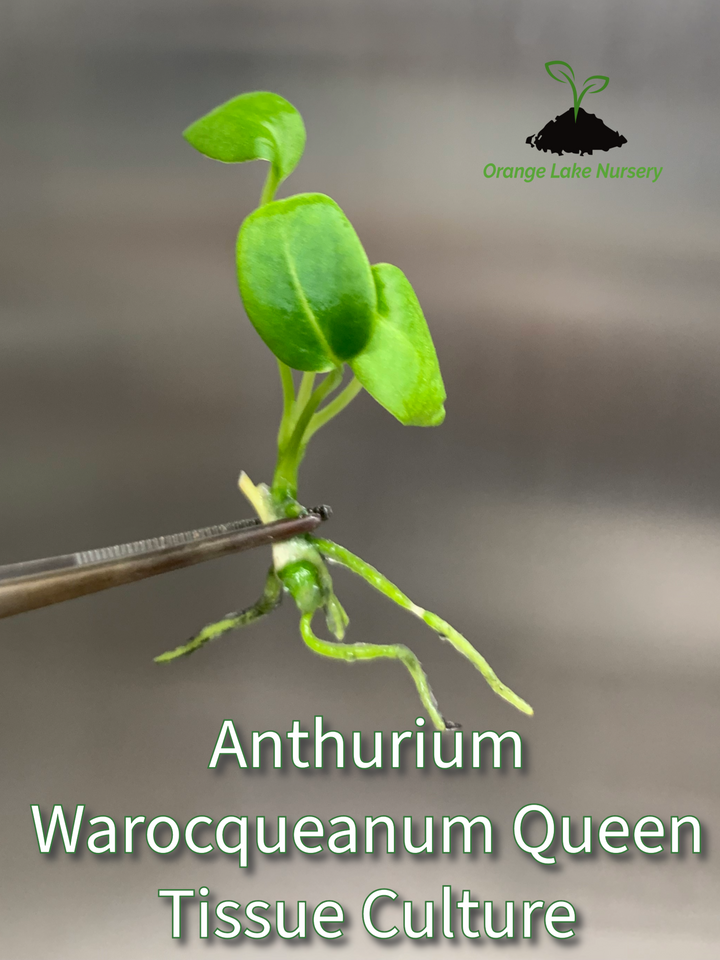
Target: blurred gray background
{"points": [[566, 516]]}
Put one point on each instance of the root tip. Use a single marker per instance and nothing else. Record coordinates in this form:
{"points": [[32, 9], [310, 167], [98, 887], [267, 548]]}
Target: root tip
{"points": [[452, 725]]}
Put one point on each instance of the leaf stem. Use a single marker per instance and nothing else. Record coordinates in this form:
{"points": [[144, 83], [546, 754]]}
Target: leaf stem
{"points": [[272, 181], [333, 408], [306, 388], [331, 381], [288, 388], [291, 453]]}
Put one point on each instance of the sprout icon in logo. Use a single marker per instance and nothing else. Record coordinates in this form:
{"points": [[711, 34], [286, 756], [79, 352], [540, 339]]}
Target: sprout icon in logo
{"points": [[576, 131]]}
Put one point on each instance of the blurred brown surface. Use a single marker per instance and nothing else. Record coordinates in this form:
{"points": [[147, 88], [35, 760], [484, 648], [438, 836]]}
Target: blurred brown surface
{"points": [[566, 516]]}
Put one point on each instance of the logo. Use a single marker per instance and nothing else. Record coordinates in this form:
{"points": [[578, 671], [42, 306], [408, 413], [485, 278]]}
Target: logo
{"points": [[576, 131]]}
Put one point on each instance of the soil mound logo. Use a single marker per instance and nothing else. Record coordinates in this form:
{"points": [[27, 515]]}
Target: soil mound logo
{"points": [[576, 131]]}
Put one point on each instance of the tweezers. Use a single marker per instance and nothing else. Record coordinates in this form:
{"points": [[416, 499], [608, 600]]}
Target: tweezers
{"points": [[39, 583]]}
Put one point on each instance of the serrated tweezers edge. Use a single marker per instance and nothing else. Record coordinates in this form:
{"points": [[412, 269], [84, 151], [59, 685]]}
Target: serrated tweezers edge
{"points": [[39, 583], [138, 547]]}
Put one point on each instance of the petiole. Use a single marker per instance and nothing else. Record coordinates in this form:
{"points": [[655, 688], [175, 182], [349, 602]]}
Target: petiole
{"points": [[333, 408]]}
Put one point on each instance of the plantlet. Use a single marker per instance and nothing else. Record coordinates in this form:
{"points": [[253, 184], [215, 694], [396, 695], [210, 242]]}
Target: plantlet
{"points": [[567, 75], [319, 305]]}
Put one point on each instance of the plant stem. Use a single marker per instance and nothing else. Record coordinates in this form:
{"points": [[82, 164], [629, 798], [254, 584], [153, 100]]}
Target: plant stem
{"points": [[291, 453], [580, 100], [331, 381], [334, 551], [306, 388], [292, 407], [333, 408], [576, 102], [271, 185], [288, 387]]}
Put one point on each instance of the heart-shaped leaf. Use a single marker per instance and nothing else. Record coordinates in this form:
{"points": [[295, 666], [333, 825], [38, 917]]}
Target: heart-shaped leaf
{"points": [[306, 282], [253, 126], [399, 366]]}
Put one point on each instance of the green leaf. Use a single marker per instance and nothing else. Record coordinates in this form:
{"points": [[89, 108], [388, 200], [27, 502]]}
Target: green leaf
{"points": [[306, 282], [588, 84], [566, 76], [253, 126], [399, 367]]}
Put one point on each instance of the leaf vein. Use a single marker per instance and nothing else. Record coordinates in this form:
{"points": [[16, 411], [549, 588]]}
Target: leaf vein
{"points": [[297, 286]]}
